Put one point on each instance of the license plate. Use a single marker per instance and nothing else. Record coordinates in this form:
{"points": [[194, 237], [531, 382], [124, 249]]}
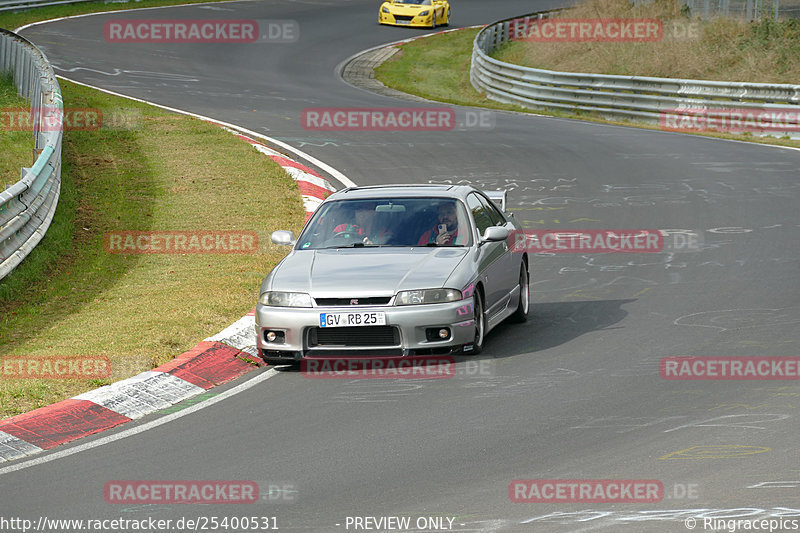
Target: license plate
{"points": [[338, 320], [403, 21]]}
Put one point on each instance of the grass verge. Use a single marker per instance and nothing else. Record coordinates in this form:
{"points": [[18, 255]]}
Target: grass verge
{"points": [[437, 68], [16, 147], [724, 49], [71, 297]]}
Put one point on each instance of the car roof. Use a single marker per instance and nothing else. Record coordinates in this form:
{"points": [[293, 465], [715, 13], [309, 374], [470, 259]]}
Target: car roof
{"points": [[400, 190]]}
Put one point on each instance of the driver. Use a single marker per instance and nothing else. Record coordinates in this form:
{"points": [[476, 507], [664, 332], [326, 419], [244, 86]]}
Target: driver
{"points": [[446, 231], [363, 225]]}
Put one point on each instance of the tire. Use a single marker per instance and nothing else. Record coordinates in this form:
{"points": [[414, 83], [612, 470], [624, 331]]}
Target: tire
{"points": [[521, 313], [433, 20], [447, 22], [476, 346]]}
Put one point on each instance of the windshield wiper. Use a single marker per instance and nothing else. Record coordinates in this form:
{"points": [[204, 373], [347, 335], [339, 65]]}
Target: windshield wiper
{"points": [[351, 245]]}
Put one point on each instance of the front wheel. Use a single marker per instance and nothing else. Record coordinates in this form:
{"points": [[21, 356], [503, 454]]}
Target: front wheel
{"points": [[521, 313], [476, 346], [447, 22]]}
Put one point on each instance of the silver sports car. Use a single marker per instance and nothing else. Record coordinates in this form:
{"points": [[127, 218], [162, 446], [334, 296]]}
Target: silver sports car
{"points": [[393, 270]]}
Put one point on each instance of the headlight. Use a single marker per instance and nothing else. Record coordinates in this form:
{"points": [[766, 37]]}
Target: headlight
{"points": [[425, 13], [427, 296], [384, 9], [285, 299]]}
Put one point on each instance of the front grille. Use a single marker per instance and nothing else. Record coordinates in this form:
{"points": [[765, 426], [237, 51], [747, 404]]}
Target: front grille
{"points": [[352, 353], [383, 300], [407, 18], [354, 336]]}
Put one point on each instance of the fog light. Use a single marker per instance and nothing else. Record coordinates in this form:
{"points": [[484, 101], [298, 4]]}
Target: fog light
{"points": [[275, 336], [438, 334]]}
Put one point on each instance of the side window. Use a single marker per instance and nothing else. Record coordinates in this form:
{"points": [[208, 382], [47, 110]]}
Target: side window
{"points": [[482, 219], [497, 217]]}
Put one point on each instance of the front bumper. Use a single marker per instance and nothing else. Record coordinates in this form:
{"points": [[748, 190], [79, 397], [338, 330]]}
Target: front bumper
{"points": [[297, 331], [405, 20]]}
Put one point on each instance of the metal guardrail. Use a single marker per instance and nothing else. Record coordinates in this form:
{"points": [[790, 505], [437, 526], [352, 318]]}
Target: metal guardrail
{"points": [[747, 9], [638, 98], [21, 5], [27, 207]]}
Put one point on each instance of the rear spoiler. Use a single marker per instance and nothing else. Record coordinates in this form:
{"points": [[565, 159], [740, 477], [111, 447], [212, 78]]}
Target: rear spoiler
{"points": [[498, 197]]}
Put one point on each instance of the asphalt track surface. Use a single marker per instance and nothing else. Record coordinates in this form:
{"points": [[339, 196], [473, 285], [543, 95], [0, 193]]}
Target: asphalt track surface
{"points": [[575, 393]]}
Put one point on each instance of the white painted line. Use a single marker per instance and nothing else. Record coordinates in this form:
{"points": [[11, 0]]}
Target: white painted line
{"points": [[144, 427], [119, 11]]}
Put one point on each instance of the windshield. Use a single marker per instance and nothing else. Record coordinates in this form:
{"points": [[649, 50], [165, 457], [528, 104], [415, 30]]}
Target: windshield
{"points": [[415, 2], [387, 222]]}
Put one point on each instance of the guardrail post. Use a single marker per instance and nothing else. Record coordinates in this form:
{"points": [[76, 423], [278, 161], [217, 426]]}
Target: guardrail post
{"points": [[3, 54]]}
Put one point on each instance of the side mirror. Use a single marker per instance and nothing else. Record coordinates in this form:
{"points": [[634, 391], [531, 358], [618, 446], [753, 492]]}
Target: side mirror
{"points": [[283, 238], [495, 234]]}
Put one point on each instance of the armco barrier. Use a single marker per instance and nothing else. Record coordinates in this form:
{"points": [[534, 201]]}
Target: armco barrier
{"points": [[617, 97], [21, 5], [27, 207]]}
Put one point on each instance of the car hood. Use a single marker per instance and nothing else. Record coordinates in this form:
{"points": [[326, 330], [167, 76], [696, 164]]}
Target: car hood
{"points": [[407, 9], [365, 272]]}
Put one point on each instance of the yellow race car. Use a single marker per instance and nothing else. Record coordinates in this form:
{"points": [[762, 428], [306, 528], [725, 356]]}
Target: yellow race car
{"points": [[419, 13]]}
